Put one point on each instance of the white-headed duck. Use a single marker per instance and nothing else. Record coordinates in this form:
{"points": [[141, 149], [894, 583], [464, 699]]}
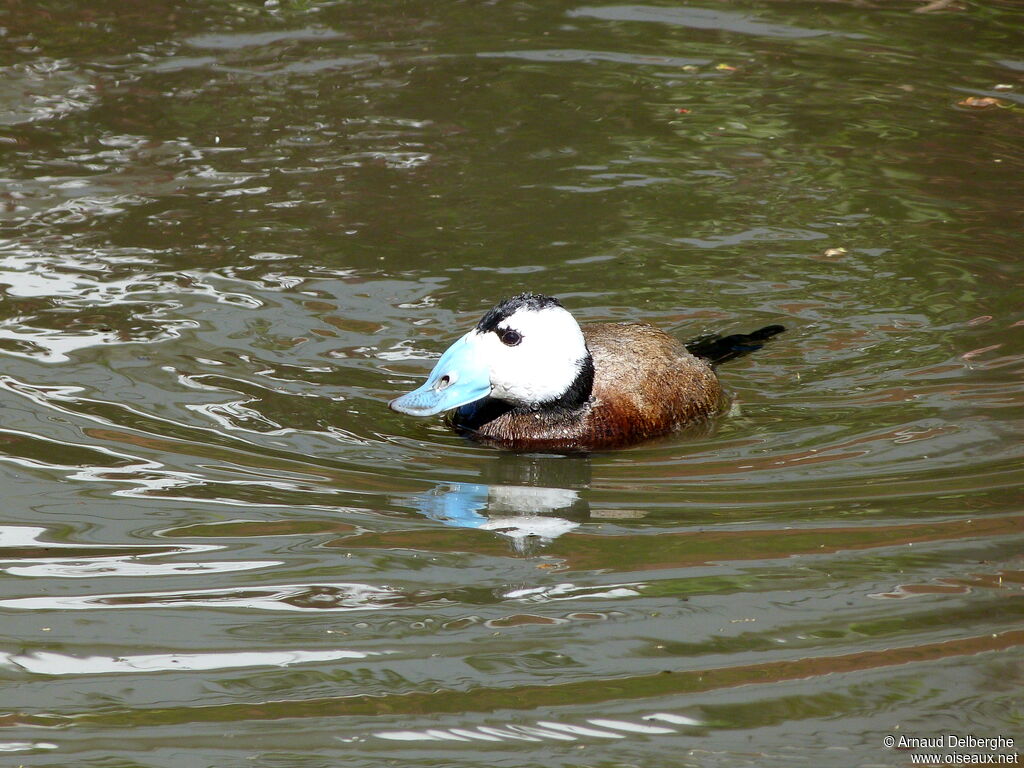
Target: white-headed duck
{"points": [[529, 377]]}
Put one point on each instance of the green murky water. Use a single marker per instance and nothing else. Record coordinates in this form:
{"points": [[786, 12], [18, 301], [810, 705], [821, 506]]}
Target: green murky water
{"points": [[232, 231]]}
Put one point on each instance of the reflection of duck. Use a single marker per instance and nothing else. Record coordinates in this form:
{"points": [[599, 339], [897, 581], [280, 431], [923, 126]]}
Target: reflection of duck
{"points": [[526, 498], [519, 512], [529, 377]]}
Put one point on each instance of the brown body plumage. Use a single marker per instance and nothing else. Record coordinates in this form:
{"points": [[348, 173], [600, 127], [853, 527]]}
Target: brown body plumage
{"points": [[645, 384]]}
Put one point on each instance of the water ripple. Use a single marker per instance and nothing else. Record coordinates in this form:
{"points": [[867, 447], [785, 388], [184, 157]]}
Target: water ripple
{"points": [[284, 597], [41, 663]]}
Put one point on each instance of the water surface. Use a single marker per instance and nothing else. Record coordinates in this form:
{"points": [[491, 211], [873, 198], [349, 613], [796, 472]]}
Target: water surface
{"points": [[232, 231]]}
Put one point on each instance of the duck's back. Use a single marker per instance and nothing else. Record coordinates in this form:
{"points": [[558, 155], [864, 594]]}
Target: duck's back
{"points": [[645, 384]]}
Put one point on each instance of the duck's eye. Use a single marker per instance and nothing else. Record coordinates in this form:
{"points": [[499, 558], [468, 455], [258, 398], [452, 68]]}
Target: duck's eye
{"points": [[510, 337]]}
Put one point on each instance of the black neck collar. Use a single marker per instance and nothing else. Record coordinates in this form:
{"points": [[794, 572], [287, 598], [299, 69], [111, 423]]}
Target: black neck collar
{"points": [[578, 392]]}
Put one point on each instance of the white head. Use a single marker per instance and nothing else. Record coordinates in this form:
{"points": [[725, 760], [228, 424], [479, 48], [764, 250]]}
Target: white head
{"points": [[527, 351]]}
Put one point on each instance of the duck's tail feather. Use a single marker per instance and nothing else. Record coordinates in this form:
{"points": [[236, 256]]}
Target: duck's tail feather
{"points": [[718, 349]]}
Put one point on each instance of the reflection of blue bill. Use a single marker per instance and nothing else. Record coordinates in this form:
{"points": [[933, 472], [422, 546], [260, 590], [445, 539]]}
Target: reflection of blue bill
{"points": [[455, 504]]}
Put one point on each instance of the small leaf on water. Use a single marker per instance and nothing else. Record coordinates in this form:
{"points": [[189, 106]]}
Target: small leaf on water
{"points": [[981, 102]]}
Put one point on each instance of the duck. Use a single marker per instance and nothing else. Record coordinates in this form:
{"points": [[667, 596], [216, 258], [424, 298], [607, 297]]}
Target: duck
{"points": [[529, 377]]}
